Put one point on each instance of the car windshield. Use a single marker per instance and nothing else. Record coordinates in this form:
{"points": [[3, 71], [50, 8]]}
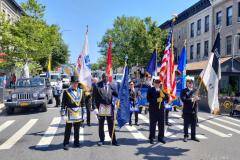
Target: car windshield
{"points": [[119, 77], [64, 76], [32, 82], [54, 77]]}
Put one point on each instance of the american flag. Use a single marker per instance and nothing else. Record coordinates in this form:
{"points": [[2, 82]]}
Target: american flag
{"points": [[167, 71]]}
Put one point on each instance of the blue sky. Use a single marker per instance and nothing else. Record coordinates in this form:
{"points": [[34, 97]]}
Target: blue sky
{"points": [[73, 16]]}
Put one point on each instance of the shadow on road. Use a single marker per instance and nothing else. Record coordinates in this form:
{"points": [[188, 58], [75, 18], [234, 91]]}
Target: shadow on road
{"points": [[156, 152]]}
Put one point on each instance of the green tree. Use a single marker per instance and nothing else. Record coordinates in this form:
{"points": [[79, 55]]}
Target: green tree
{"points": [[134, 37]]}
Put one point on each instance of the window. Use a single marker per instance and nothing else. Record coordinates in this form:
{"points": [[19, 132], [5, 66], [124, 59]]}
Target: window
{"points": [[238, 11], [192, 29], [229, 45], [199, 27], [238, 40], [198, 50], [219, 18], [206, 49], [191, 52], [206, 23], [229, 16]]}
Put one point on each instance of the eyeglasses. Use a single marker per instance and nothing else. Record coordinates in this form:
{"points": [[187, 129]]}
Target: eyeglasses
{"points": [[131, 84]]}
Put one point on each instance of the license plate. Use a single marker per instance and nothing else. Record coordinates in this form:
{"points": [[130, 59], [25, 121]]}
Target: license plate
{"points": [[24, 104]]}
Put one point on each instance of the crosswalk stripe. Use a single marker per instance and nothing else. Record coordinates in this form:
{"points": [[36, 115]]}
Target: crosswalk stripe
{"points": [[18, 135], [6, 124], [136, 134], [146, 120], [189, 130], [220, 125], [107, 137], [222, 120], [213, 131], [49, 134], [233, 119]]}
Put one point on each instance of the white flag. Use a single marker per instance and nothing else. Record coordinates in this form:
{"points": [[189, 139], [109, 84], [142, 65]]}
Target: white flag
{"points": [[212, 74], [83, 65], [26, 71]]}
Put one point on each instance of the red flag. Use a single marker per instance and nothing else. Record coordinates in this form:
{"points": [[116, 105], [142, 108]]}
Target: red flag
{"points": [[167, 72], [109, 62]]}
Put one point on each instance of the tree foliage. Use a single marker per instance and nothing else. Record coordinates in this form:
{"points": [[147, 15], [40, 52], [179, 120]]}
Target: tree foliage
{"points": [[32, 39], [134, 37]]}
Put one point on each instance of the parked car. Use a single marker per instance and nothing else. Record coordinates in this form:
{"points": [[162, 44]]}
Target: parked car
{"points": [[30, 93], [65, 80]]}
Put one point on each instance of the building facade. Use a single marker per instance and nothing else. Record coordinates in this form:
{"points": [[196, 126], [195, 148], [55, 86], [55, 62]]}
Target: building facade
{"points": [[11, 10]]}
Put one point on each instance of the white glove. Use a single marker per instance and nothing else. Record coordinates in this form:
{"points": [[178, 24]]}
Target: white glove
{"points": [[95, 111]]}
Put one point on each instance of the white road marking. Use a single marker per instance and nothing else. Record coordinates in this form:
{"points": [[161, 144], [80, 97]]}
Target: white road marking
{"points": [[136, 134], [225, 121], [107, 137], [6, 124], [166, 134], [49, 134], [213, 131], [233, 119], [189, 130], [18, 135], [220, 125], [81, 135]]}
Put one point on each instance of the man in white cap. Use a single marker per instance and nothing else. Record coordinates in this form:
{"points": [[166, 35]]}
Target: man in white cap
{"points": [[190, 103]]}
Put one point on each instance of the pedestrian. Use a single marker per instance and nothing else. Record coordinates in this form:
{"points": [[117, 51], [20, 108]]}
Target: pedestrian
{"points": [[190, 103], [103, 94], [57, 91], [134, 106], [156, 98], [88, 102], [13, 80], [72, 104]]}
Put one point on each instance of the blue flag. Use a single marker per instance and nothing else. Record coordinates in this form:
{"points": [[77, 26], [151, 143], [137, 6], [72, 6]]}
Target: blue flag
{"points": [[152, 65], [181, 80], [123, 113]]}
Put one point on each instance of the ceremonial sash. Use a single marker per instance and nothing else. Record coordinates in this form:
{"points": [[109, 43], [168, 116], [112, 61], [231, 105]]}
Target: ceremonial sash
{"points": [[105, 110], [74, 115]]}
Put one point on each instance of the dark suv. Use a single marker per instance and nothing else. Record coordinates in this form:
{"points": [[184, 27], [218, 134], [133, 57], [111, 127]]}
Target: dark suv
{"points": [[30, 93]]}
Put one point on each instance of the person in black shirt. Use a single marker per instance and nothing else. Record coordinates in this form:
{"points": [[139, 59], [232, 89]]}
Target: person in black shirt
{"points": [[133, 97], [72, 104], [103, 94], [190, 102], [156, 98]]}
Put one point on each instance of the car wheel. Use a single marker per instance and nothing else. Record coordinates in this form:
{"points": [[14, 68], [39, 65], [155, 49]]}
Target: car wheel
{"points": [[10, 110], [44, 108], [50, 101]]}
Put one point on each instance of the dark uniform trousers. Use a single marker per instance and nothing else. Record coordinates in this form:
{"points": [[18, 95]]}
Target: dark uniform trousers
{"points": [[101, 120], [136, 117], [166, 116], [154, 120], [189, 119], [88, 107], [67, 133]]}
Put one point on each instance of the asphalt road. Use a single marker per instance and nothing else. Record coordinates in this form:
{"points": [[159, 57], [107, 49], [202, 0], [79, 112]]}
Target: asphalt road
{"points": [[28, 135]]}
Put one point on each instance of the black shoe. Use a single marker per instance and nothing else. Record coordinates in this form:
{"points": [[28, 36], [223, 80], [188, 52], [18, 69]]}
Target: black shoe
{"points": [[197, 125], [130, 124], [115, 144], [66, 147], [88, 124], [136, 124], [195, 139], [151, 141], [100, 143], [161, 140], [76, 145], [185, 139]]}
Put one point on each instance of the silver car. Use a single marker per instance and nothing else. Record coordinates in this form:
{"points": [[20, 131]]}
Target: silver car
{"points": [[30, 93]]}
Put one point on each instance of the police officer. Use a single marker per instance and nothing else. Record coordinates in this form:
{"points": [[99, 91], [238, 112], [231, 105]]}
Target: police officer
{"points": [[156, 113], [103, 94], [133, 96], [190, 102], [72, 104]]}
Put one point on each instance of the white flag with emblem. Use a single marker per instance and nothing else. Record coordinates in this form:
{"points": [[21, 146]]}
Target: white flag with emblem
{"points": [[212, 74], [83, 65]]}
